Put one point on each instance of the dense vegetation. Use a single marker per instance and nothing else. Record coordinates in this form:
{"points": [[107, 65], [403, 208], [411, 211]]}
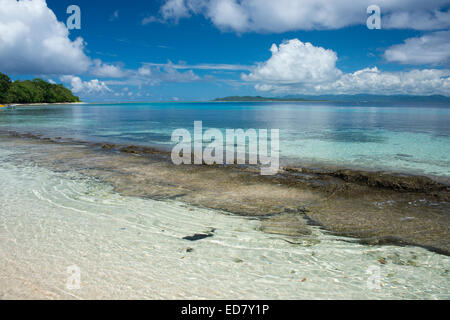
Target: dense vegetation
{"points": [[33, 91], [257, 98]]}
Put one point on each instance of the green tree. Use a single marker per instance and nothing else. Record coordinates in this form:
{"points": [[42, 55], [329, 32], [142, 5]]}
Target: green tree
{"points": [[33, 91], [5, 84]]}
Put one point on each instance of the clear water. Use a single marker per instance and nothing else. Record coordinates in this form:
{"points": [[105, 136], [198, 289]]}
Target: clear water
{"points": [[127, 247], [412, 137]]}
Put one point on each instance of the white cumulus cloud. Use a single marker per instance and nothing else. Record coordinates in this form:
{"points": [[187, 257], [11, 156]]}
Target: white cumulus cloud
{"points": [[299, 68], [85, 87], [33, 41], [288, 15], [374, 81], [296, 62], [433, 48]]}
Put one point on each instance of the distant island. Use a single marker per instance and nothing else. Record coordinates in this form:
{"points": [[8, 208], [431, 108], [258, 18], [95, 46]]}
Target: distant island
{"points": [[33, 91], [357, 98], [258, 99]]}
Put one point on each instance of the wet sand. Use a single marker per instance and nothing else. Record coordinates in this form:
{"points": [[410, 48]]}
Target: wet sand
{"points": [[370, 207]]}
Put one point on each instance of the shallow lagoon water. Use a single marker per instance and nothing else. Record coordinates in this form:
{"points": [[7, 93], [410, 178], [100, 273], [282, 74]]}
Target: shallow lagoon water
{"points": [[411, 138], [129, 247]]}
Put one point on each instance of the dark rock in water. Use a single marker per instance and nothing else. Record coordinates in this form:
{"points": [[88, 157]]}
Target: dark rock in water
{"points": [[131, 149], [382, 260], [198, 236], [300, 210], [139, 150], [404, 155], [107, 146], [389, 181]]}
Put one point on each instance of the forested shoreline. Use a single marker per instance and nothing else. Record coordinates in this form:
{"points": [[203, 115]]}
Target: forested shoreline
{"points": [[33, 91]]}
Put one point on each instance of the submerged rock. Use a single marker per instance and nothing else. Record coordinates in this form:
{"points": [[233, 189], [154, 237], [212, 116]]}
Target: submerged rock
{"points": [[198, 236], [107, 146], [285, 224], [367, 205], [390, 181]]}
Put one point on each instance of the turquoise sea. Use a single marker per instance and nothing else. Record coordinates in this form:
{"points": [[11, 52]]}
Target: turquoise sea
{"points": [[57, 214], [400, 137]]}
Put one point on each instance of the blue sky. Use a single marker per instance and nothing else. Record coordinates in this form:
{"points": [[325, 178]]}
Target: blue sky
{"points": [[201, 49]]}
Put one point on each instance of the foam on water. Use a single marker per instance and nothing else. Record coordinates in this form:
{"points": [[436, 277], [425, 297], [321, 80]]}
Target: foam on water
{"points": [[128, 247]]}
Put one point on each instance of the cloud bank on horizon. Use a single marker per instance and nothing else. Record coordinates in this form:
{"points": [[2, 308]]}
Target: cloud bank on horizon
{"points": [[297, 67], [34, 42]]}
